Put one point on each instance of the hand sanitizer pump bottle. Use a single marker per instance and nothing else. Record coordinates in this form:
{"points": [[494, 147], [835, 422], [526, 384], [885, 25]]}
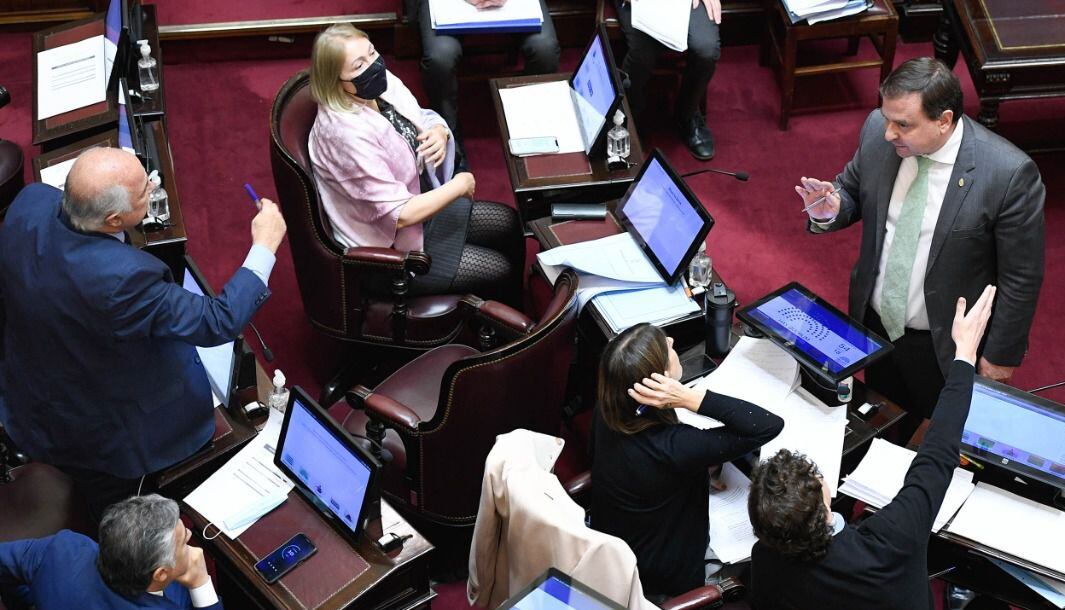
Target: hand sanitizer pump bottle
{"points": [[618, 145], [147, 70], [158, 201], [279, 394]]}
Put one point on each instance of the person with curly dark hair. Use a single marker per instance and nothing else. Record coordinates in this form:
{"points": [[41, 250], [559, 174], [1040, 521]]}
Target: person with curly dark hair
{"points": [[651, 474], [807, 557]]}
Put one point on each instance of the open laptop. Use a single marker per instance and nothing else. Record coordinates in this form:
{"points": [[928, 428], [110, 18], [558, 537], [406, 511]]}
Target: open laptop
{"points": [[333, 472]]}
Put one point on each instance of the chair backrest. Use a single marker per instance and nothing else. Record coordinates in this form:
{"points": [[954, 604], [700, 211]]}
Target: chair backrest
{"points": [[519, 385], [316, 256], [39, 501]]}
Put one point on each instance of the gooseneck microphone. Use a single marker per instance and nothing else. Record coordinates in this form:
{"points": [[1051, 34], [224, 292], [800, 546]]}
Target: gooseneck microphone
{"points": [[741, 176], [269, 355]]}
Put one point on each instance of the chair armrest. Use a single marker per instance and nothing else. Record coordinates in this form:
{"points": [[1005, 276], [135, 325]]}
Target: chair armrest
{"points": [[579, 485], [505, 316], [703, 597], [388, 259], [382, 408]]}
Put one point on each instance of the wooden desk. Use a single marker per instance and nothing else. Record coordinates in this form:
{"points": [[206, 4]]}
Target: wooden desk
{"points": [[167, 243], [337, 576], [533, 196], [968, 564], [1014, 50]]}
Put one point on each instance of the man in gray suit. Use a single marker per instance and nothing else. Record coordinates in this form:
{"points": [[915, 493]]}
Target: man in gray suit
{"points": [[948, 208]]}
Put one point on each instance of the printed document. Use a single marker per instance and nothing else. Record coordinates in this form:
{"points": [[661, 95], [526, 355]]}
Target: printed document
{"points": [[812, 428], [1014, 525], [664, 20], [249, 480], [71, 76], [731, 533], [543, 109], [656, 305], [880, 475]]}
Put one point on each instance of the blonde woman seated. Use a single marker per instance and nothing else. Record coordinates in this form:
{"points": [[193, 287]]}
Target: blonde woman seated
{"points": [[385, 169]]}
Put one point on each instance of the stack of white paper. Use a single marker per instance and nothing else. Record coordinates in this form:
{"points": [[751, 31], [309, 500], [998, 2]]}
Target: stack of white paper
{"points": [[731, 533], [812, 428], [816, 11], [613, 263], [879, 477], [664, 20], [543, 110], [461, 16], [1014, 525], [657, 305], [246, 487]]}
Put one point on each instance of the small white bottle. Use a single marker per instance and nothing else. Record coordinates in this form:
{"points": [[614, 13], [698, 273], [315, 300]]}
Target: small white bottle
{"points": [[618, 144], [700, 269], [279, 394], [147, 70], [158, 201]]}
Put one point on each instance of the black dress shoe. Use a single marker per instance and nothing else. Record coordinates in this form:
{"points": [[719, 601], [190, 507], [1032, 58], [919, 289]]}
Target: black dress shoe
{"points": [[697, 137]]}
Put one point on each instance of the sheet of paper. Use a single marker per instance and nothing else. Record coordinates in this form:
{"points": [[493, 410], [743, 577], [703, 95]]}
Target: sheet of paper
{"points": [[851, 8], [652, 305], [617, 257], [71, 76], [1051, 590], [249, 479], [756, 370], [880, 475], [1014, 525], [460, 12], [664, 20], [218, 363], [813, 429], [543, 109], [56, 175], [731, 534]]}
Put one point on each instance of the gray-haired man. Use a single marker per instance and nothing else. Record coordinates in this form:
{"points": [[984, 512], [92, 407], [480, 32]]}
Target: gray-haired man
{"points": [[143, 561]]}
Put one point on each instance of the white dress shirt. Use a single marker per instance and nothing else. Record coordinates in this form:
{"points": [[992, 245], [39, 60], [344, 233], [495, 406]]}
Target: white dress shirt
{"points": [[201, 596], [938, 178]]}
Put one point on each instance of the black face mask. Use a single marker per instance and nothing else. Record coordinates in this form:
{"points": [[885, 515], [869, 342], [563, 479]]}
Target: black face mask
{"points": [[371, 84]]}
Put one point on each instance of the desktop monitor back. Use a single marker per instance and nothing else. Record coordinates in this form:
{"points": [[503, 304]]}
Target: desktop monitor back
{"points": [[597, 92]]}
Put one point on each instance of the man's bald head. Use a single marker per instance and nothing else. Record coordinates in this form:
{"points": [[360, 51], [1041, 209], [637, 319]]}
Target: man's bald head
{"points": [[103, 186]]}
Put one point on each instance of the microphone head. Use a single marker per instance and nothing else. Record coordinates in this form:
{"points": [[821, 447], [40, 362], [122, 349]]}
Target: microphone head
{"points": [[742, 176], [267, 353]]}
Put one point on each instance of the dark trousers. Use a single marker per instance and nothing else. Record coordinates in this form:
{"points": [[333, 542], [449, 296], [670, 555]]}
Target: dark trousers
{"points": [[908, 376], [100, 490], [704, 49], [441, 55]]}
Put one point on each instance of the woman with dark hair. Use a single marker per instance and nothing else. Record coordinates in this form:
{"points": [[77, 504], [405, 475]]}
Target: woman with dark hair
{"points": [[650, 474], [387, 176]]}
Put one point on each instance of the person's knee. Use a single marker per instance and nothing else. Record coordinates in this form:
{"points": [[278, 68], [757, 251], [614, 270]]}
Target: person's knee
{"points": [[705, 50], [442, 54], [543, 52]]}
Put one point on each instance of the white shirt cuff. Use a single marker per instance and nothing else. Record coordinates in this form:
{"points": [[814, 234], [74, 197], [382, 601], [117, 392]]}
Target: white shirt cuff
{"points": [[824, 224], [260, 261], [204, 595]]}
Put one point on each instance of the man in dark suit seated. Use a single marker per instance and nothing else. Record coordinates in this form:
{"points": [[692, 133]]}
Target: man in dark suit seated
{"points": [[100, 374], [143, 561], [806, 557]]}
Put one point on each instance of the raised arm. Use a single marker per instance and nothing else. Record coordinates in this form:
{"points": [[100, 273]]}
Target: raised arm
{"points": [[911, 513]]}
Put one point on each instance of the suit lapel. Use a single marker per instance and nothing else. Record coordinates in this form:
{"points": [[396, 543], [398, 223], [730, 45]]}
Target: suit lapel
{"points": [[891, 162], [961, 181]]}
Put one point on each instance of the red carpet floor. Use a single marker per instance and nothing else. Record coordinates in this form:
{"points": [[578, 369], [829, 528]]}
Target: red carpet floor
{"points": [[217, 122]]}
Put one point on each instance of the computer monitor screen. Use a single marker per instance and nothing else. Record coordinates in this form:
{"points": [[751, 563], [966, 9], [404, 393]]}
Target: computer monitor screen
{"points": [[554, 590], [219, 361], [1017, 431], [327, 466], [664, 217], [817, 334], [596, 89]]}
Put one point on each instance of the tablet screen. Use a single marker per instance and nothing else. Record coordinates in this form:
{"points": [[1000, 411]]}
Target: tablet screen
{"points": [[1019, 431], [664, 217], [595, 91], [819, 335], [555, 590]]}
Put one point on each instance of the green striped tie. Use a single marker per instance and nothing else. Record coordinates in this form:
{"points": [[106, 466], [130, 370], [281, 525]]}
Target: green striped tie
{"points": [[899, 267]]}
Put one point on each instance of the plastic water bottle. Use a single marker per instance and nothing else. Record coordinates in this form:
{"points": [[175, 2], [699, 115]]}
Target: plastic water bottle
{"points": [[700, 269], [158, 201], [279, 394], [147, 71]]}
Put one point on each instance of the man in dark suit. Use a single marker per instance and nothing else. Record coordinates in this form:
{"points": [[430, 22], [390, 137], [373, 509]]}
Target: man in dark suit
{"points": [[806, 557], [946, 207], [100, 375], [143, 561]]}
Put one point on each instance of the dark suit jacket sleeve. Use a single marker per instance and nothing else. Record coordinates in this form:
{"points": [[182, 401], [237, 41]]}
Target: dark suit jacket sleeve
{"points": [[1019, 244], [747, 427], [906, 522], [145, 304], [848, 185], [20, 559]]}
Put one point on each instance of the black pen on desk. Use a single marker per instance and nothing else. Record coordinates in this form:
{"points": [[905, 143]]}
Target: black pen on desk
{"points": [[251, 193]]}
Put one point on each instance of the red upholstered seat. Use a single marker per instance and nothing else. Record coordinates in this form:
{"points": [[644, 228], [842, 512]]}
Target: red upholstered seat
{"points": [[444, 409], [39, 501], [10, 173]]}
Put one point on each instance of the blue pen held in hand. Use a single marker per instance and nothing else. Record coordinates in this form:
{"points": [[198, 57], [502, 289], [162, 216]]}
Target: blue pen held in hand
{"points": [[251, 193]]}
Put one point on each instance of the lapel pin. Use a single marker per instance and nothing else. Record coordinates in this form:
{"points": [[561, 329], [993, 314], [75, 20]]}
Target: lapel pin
{"points": [[961, 182]]}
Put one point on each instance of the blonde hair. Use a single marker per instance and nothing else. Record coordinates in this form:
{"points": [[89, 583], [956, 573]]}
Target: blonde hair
{"points": [[327, 62]]}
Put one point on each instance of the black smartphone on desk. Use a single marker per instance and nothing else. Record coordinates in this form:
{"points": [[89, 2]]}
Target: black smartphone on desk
{"points": [[281, 560]]}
